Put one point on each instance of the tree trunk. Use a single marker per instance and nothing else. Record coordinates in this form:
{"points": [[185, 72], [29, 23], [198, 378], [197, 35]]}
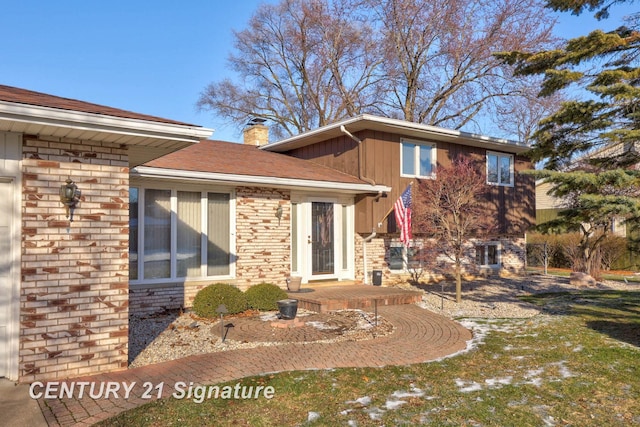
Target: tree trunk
{"points": [[458, 282]]}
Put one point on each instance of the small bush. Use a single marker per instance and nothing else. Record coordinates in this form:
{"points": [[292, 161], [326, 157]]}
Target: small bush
{"points": [[208, 299], [265, 296]]}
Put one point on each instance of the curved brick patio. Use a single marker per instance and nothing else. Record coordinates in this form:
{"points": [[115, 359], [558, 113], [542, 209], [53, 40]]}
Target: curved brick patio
{"points": [[420, 336]]}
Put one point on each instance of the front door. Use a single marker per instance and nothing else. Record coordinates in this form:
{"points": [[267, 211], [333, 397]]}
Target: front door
{"points": [[322, 239], [6, 196]]}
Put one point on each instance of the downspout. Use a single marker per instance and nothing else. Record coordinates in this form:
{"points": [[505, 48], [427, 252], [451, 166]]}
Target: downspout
{"points": [[372, 182], [359, 141], [364, 254]]}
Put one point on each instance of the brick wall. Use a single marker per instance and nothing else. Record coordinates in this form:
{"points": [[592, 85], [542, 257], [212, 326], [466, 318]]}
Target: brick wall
{"points": [[512, 258], [263, 242], [145, 299], [514, 254], [375, 257], [74, 293]]}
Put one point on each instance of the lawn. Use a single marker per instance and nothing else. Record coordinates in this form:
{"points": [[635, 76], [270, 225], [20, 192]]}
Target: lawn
{"points": [[577, 364]]}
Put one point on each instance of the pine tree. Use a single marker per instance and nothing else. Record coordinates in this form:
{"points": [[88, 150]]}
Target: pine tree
{"points": [[590, 147]]}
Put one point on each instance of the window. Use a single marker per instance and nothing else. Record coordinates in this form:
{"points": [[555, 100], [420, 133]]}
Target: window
{"points": [[499, 169], [402, 258], [133, 233], [157, 234], [487, 254], [417, 159], [178, 234]]}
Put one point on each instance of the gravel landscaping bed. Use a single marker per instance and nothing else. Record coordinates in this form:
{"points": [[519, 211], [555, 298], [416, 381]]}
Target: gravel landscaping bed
{"points": [[173, 335], [498, 297]]}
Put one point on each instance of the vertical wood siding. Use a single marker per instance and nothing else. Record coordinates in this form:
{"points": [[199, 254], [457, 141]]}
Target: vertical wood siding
{"points": [[514, 206]]}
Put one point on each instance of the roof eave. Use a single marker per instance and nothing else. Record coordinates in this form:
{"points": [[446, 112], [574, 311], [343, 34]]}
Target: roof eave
{"points": [[103, 123], [266, 181], [417, 130]]}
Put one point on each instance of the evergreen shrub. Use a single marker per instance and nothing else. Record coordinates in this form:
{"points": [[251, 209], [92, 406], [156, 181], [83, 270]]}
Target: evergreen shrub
{"points": [[264, 296], [208, 299]]}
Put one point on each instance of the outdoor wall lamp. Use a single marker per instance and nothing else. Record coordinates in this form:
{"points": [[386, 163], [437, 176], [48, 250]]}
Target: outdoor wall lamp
{"points": [[279, 213], [69, 196]]}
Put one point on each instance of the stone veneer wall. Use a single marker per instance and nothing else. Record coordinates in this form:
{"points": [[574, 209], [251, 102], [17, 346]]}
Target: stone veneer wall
{"points": [[375, 257], [74, 291], [146, 299], [263, 243], [512, 257]]}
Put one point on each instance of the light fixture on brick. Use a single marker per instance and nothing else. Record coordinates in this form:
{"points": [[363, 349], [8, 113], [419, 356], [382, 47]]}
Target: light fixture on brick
{"points": [[69, 196]]}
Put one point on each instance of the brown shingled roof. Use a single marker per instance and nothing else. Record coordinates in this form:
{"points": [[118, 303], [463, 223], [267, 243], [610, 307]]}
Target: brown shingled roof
{"points": [[240, 159], [28, 97]]}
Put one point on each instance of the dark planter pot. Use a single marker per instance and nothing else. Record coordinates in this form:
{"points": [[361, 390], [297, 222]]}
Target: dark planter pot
{"points": [[288, 308], [377, 277]]}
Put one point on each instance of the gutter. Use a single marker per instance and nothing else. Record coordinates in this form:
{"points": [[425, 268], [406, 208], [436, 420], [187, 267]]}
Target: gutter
{"points": [[79, 120], [235, 179]]}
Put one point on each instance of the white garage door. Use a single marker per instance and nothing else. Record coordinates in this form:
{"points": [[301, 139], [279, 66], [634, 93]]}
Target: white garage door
{"points": [[6, 213]]}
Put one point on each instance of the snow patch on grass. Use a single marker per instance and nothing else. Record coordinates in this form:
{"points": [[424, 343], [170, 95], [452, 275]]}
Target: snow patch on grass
{"points": [[467, 386], [497, 382]]}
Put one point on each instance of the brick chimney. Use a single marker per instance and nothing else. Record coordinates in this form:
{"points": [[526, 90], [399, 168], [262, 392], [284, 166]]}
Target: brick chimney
{"points": [[256, 133]]}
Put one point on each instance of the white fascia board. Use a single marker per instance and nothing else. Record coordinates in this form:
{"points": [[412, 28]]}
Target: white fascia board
{"points": [[101, 123], [265, 181], [429, 131]]}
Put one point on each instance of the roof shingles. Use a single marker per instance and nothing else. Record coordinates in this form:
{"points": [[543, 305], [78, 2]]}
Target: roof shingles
{"points": [[240, 159], [28, 97]]}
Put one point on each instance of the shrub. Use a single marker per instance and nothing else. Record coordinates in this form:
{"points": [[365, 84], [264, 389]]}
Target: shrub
{"points": [[265, 296], [208, 299]]}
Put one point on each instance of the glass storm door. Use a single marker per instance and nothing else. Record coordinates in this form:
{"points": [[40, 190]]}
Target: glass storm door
{"points": [[322, 239]]}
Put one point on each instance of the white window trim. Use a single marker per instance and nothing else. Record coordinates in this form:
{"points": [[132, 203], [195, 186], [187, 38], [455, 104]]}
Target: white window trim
{"points": [[485, 246], [405, 259], [173, 201], [511, 168], [416, 157]]}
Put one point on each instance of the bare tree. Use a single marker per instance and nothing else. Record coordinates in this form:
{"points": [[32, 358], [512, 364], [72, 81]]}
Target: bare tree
{"points": [[305, 63], [439, 56], [301, 64], [451, 210]]}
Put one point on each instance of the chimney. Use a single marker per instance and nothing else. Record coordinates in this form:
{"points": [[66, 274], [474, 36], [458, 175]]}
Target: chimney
{"points": [[256, 133]]}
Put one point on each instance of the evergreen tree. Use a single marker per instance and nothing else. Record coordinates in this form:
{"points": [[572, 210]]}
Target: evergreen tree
{"points": [[589, 148]]}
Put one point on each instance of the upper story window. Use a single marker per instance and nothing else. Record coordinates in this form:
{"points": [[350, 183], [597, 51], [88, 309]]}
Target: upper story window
{"points": [[499, 169], [418, 159]]}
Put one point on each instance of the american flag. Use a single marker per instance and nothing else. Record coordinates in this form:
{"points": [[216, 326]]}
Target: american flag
{"points": [[402, 209]]}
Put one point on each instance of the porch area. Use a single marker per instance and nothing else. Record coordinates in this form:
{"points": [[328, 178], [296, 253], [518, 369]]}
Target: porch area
{"points": [[325, 297]]}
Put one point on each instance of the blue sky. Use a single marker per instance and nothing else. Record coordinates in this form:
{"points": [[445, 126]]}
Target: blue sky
{"points": [[151, 57]]}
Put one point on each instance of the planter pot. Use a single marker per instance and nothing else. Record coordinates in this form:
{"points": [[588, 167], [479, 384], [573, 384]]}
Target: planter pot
{"points": [[288, 308], [293, 283], [376, 276]]}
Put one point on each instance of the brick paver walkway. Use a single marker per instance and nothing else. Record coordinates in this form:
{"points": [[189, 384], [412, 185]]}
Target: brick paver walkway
{"points": [[420, 336]]}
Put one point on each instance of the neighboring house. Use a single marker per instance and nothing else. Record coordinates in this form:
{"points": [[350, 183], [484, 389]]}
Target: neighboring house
{"points": [[548, 206], [164, 212]]}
